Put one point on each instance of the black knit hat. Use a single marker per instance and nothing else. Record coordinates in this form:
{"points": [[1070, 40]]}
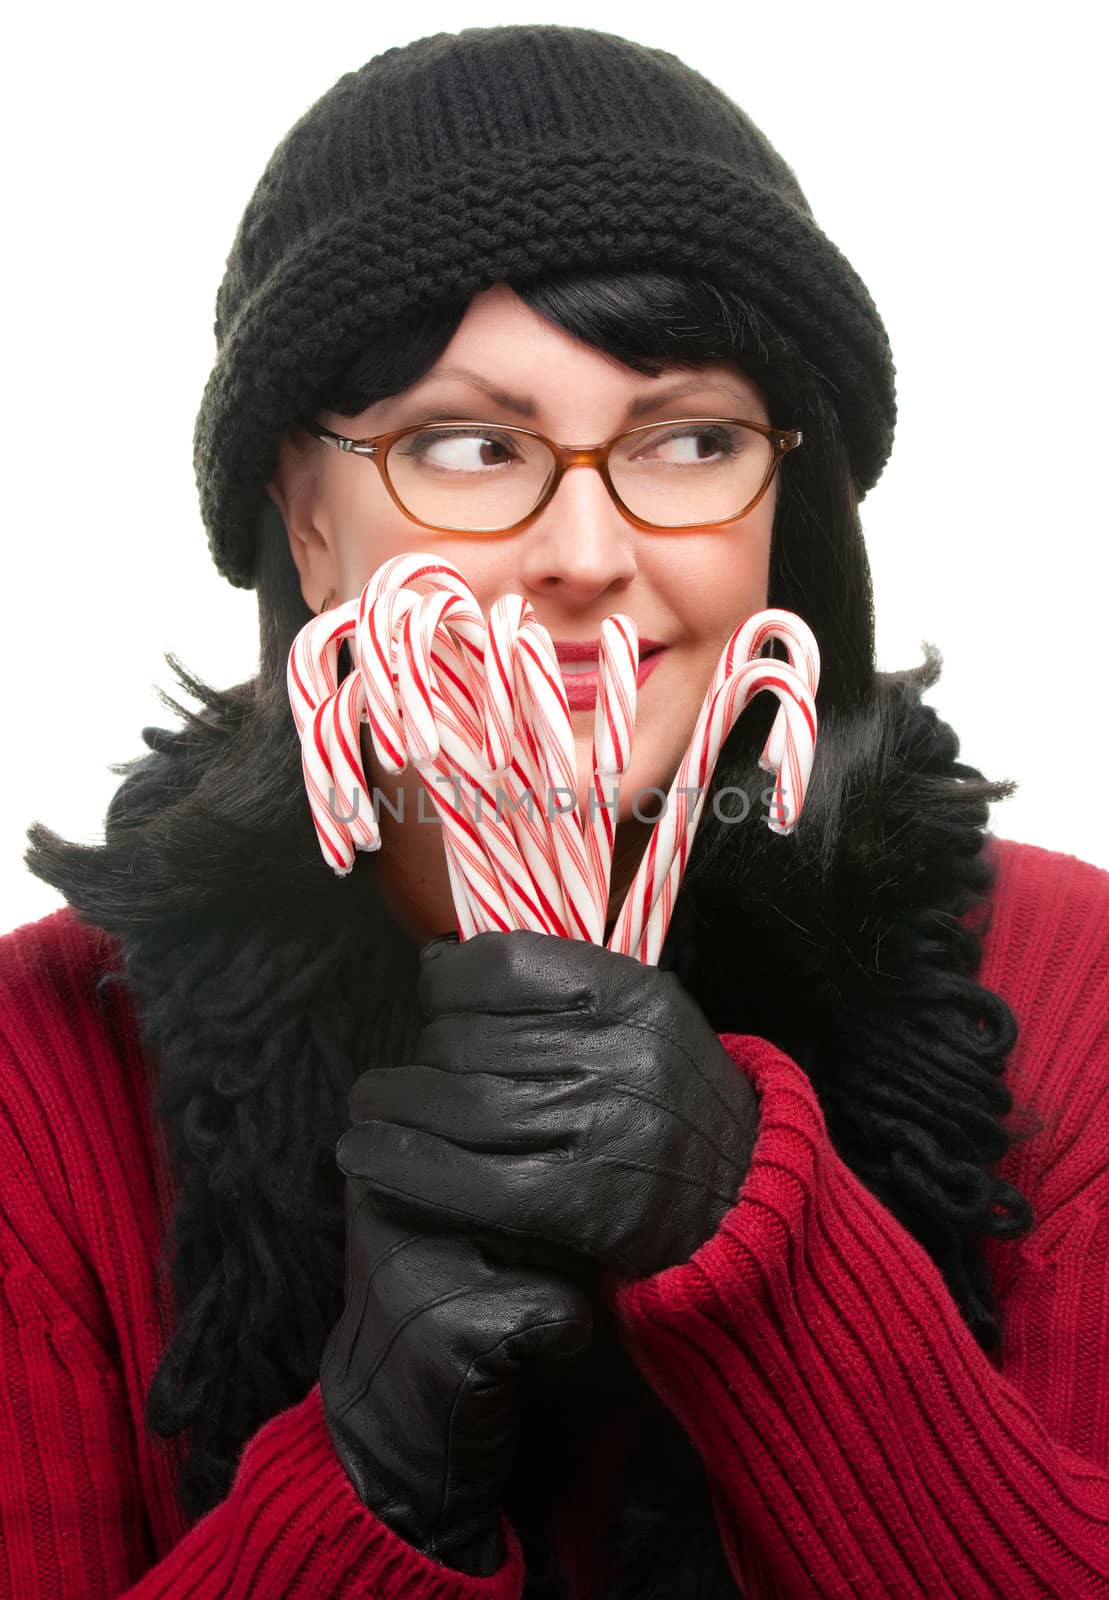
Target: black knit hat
{"points": [[444, 166]]}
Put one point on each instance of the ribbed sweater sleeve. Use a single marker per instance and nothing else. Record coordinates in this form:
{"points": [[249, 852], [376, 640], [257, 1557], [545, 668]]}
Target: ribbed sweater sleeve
{"points": [[86, 1504], [857, 1440]]}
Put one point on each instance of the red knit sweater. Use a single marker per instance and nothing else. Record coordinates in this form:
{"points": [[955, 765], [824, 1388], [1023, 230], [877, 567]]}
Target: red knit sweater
{"points": [[858, 1441]]}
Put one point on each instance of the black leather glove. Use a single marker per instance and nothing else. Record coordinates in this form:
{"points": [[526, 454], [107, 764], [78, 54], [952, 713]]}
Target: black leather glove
{"points": [[423, 1378], [565, 1095]]}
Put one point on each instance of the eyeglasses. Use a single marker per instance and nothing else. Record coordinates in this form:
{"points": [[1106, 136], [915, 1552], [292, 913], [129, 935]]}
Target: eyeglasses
{"points": [[467, 477]]}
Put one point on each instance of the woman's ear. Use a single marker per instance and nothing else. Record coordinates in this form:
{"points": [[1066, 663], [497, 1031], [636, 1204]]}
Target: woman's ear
{"points": [[294, 489]]}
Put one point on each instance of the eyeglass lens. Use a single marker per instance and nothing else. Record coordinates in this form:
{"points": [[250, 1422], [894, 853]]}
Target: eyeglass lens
{"points": [[481, 479]]}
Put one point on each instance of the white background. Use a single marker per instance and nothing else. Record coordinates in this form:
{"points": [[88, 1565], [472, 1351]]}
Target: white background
{"points": [[955, 154]]}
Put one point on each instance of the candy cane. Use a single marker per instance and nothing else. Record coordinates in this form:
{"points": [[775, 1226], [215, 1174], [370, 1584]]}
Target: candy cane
{"points": [[478, 897], [613, 733], [435, 730], [402, 703], [323, 747], [379, 620], [509, 753], [460, 699], [551, 739], [312, 671], [645, 914], [328, 753], [803, 654]]}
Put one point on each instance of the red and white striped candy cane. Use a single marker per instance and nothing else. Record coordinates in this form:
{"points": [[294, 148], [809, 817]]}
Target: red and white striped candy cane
{"points": [[529, 739], [508, 754], [641, 926], [442, 721], [463, 701], [335, 779], [508, 728], [312, 671], [384, 600], [330, 759], [613, 735], [803, 654], [741, 648], [377, 648], [376, 643], [549, 738], [477, 901]]}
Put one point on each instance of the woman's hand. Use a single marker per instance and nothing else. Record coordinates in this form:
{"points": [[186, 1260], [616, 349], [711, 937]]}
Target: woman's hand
{"points": [[565, 1096], [425, 1376]]}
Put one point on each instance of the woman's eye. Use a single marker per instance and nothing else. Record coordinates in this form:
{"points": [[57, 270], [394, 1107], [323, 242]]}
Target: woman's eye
{"points": [[687, 447], [459, 452]]}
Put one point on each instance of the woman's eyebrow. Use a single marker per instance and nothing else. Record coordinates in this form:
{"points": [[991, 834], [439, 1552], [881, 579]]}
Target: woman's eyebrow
{"points": [[525, 407]]}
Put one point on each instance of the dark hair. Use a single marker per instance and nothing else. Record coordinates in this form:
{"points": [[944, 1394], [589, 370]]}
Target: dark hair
{"points": [[214, 822]]}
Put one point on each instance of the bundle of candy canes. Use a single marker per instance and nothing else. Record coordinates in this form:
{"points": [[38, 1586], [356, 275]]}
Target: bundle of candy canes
{"points": [[478, 705]]}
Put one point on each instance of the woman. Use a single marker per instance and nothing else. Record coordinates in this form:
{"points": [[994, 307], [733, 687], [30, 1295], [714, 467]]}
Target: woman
{"points": [[734, 1276]]}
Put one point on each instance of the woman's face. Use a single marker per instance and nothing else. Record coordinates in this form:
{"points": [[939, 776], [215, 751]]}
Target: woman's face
{"points": [[581, 559]]}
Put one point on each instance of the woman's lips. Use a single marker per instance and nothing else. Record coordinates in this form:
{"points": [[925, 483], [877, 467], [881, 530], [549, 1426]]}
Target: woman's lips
{"points": [[582, 687]]}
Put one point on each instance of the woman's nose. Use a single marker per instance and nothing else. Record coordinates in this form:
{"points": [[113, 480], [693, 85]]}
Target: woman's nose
{"points": [[582, 544]]}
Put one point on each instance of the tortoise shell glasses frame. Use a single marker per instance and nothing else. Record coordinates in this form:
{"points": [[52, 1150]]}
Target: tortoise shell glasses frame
{"points": [[377, 448]]}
